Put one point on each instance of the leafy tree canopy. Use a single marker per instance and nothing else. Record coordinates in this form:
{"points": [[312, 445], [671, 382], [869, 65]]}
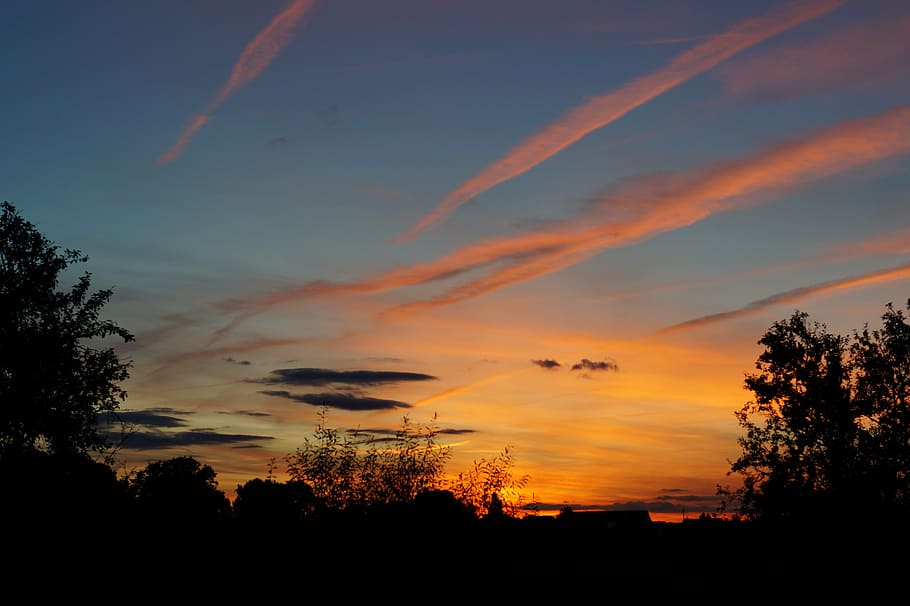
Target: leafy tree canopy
{"points": [[828, 431], [55, 379], [181, 490]]}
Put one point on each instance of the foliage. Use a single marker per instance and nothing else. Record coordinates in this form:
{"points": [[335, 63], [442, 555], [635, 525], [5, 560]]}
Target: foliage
{"points": [[262, 501], [178, 490], [828, 431], [45, 487], [489, 487], [53, 383], [359, 471], [356, 472]]}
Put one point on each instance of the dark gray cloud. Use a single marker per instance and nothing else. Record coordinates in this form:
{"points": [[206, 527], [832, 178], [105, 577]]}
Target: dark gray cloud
{"points": [[394, 432], [250, 413], [149, 431], [152, 417], [158, 440], [339, 399], [586, 364], [315, 377], [547, 363], [279, 141], [456, 432], [239, 362]]}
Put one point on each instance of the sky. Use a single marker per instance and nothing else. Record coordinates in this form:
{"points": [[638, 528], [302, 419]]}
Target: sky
{"points": [[554, 227]]}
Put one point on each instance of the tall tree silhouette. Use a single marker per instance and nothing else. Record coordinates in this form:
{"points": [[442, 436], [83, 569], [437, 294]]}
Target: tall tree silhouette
{"points": [[882, 387], [55, 377], [828, 431]]}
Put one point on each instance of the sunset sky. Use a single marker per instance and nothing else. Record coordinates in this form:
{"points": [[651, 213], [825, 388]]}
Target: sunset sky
{"points": [[559, 226]]}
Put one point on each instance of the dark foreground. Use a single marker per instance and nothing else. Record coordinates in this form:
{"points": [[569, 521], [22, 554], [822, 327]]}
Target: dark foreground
{"points": [[528, 561]]}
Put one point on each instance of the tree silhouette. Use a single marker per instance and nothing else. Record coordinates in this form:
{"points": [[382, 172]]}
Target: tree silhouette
{"points": [[267, 501], [53, 383], [827, 432], [882, 389], [178, 490]]}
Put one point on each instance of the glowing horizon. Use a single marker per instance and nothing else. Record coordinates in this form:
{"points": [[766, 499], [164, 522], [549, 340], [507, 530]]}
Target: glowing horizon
{"points": [[560, 228]]}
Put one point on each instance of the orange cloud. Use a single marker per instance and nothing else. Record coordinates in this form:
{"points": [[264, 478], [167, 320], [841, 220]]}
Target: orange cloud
{"points": [[262, 50], [256, 56], [600, 111], [185, 136], [897, 242], [667, 204], [901, 272], [454, 391], [856, 54], [634, 213]]}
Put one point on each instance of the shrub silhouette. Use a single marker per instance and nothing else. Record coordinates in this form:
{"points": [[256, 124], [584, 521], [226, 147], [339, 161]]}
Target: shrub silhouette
{"points": [[350, 472], [489, 488]]}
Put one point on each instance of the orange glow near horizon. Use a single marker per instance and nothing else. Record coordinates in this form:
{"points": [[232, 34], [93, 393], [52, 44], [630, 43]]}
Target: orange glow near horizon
{"points": [[557, 228]]}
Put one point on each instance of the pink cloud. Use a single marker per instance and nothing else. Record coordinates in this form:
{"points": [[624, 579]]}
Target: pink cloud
{"points": [[641, 210], [901, 272], [600, 111], [857, 54], [255, 58]]}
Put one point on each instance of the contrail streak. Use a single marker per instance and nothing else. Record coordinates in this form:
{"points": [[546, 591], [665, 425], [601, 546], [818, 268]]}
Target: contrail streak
{"points": [[901, 272], [686, 200], [255, 58], [600, 111], [624, 217]]}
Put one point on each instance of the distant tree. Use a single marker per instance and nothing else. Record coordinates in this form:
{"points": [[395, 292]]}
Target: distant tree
{"points": [[490, 488], [828, 431], [440, 508], [55, 380], [179, 490], [268, 501]]}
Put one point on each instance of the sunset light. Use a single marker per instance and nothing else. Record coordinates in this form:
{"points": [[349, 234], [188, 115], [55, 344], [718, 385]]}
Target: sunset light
{"points": [[554, 227]]}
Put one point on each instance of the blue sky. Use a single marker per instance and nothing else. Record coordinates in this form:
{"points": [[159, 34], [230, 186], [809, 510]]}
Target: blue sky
{"points": [[732, 153]]}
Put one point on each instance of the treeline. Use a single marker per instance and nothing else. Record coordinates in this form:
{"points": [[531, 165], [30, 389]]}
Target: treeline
{"points": [[334, 474], [826, 435]]}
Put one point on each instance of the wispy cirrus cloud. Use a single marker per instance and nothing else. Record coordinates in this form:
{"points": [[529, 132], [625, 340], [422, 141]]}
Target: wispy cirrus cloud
{"points": [[634, 212], [900, 272], [602, 110], [894, 242], [656, 205], [255, 58], [242, 347], [460, 389], [851, 55]]}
